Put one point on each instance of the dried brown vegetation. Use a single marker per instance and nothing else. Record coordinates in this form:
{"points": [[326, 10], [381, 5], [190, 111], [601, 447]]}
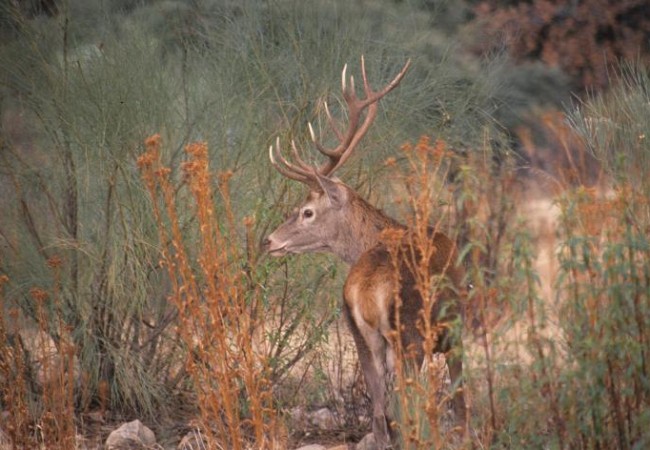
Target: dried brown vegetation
{"points": [[218, 308], [38, 380]]}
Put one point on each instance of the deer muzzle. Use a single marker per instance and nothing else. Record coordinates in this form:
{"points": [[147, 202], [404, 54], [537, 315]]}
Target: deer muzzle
{"points": [[273, 247]]}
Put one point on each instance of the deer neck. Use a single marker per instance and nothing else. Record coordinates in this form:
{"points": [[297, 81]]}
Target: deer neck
{"points": [[363, 229]]}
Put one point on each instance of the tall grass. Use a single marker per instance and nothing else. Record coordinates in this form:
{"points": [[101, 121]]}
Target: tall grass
{"points": [[570, 370], [605, 273], [74, 196]]}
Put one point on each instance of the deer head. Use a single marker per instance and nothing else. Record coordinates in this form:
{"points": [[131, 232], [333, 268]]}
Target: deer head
{"points": [[333, 218]]}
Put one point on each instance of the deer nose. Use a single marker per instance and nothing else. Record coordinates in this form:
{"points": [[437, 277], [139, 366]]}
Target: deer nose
{"points": [[266, 243]]}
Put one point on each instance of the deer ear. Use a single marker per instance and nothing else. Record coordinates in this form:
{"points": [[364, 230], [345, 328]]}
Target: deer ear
{"points": [[334, 190]]}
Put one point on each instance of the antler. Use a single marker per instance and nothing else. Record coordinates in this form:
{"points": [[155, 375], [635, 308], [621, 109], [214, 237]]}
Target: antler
{"points": [[348, 140]]}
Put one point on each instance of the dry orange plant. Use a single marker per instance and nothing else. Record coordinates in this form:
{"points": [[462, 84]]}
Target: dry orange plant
{"points": [[217, 319], [420, 399], [12, 373], [47, 418]]}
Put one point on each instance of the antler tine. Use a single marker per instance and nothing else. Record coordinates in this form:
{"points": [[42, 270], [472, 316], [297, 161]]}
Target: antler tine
{"points": [[364, 77], [331, 122], [352, 93], [302, 165], [356, 106], [312, 135], [372, 97], [301, 172]]}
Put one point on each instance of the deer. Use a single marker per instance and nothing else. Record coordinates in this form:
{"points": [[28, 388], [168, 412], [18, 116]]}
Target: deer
{"points": [[336, 219]]}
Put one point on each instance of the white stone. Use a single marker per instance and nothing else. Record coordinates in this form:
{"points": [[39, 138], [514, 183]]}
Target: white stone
{"points": [[323, 419], [367, 443], [131, 436]]}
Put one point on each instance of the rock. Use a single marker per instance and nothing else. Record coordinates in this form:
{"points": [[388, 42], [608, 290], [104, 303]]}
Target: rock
{"points": [[131, 436], [321, 447], [298, 418], [323, 419], [367, 443]]}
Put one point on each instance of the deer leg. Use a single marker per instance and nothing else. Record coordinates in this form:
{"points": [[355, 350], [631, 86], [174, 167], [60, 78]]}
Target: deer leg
{"points": [[375, 373], [455, 365], [371, 349]]}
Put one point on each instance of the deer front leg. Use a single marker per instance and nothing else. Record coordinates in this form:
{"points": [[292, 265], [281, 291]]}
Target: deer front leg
{"points": [[371, 349]]}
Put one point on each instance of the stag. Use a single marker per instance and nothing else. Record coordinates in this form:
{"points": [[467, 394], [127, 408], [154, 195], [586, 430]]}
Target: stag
{"points": [[335, 219]]}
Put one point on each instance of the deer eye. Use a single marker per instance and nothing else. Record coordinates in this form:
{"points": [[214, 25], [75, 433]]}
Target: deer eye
{"points": [[308, 213]]}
